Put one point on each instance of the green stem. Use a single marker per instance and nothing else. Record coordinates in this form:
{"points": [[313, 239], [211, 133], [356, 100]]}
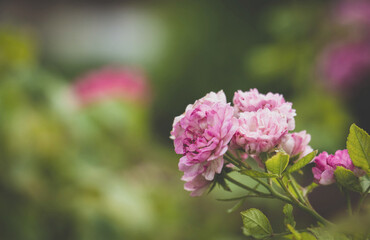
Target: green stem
{"points": [[277, 194], [295, 188], [287, 233], [244, 186], [265, 185], [349, 206], [308, 202], [233, 161], [245, 196], [363, 196], [240, 166], [238, 162], [291, 199], [261, 194], [237, 154], [312, 212]]}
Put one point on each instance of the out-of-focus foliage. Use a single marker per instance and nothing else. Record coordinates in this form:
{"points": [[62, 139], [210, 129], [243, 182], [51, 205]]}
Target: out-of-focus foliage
{"points": [[86, 172], [17, 48]]}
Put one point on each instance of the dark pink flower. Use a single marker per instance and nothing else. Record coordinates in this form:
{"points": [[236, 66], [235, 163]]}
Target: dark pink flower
{"points": [[326, 164]]}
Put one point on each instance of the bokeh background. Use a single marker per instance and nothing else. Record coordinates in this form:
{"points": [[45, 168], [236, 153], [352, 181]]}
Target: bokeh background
{"points": [[89, 90]]}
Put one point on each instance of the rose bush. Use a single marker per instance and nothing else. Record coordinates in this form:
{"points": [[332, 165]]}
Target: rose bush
{"points": [[216, 139]]}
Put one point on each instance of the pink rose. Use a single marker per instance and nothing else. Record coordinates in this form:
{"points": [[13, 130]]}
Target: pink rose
{"points": [[201, 135], [252, 101], [326, 164], [260, 131], [296, 144]]}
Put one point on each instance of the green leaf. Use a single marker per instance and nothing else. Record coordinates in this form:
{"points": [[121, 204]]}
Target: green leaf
{"points": [[303, 236], [347, 179], [264, 156], [358, 145], [365, 183], [287, 183], [296, 235], [307, 236], [288, 213], [256, 224], [309, 188], [294, 158], [257, 174], [236, 206], [321, 234], [277, 163], [302, 162]]}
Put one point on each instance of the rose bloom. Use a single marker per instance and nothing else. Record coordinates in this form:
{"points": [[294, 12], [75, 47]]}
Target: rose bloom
{"points": [[201, 135], [252, 101], [260, 131], [112, 83], [326, 164], [296, 144]]}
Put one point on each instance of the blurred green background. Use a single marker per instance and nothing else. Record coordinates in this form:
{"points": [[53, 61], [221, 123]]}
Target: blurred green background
{"points": [[107, 169]]}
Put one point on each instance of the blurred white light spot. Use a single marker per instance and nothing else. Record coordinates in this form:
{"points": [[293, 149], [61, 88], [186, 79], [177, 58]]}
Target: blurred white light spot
{"points": [[125, 35]]}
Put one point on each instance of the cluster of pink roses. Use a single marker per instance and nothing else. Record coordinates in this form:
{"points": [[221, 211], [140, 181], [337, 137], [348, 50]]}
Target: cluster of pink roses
{"points": [[210, 127]]}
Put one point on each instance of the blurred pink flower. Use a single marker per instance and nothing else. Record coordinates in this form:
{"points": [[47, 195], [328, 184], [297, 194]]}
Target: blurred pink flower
{"points": [[201, 135], [112, 83], [326, 164], [252, 101], [353, 12], [346, 64], [260, 131], [296, 144]]}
